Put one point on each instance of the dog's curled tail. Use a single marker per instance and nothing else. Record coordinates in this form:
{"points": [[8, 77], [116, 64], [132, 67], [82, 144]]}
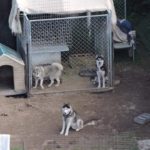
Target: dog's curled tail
{"points": [[58, 66], [91, 123]]}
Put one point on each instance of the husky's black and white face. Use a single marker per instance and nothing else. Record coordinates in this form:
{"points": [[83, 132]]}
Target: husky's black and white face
{"points": [[66, 109], [99, 60]]}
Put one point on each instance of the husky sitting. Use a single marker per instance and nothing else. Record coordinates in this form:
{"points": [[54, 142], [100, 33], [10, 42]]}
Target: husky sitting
{"points": [[101, 72], [72, 120], [53, 72]]}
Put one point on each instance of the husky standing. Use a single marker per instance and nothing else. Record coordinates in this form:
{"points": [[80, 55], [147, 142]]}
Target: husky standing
{"points": [[53, 72], [101, 72], [70, 119]]}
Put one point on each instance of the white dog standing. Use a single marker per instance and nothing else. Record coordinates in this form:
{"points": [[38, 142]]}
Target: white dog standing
{"points": [[53, 72], [70, 119]]}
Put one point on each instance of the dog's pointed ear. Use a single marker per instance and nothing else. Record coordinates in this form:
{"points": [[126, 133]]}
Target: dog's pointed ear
{"points": [[102, 56], [66, 105], [99, 56]]}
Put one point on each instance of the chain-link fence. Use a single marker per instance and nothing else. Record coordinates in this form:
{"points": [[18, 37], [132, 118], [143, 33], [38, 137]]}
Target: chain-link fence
{"points": [[72, 40], [121, 141], [120, 7], [102, 142]]}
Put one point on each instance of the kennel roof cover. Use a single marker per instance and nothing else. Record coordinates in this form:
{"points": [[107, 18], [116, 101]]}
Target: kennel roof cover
{"points": [[10, 53], [57, 7]]}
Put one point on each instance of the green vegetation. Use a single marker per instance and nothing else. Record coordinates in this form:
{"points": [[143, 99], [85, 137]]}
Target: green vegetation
{"points": [[138, 7], [143, 29], [17, 148], [139, 15], [138, 12]]}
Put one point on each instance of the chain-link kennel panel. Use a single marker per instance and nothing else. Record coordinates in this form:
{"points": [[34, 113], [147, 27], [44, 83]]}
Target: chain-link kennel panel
{"points": [[120, 7], [93, 142], [70, 40]]}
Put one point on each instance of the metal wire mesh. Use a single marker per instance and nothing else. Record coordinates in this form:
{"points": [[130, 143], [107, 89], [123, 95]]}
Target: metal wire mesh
{"points": [[73, 40], [77, 32], [120, 7], [103, 142]]}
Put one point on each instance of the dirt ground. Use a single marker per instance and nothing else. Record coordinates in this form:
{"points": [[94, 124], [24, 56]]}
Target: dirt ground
{"points": [[37, 120]]}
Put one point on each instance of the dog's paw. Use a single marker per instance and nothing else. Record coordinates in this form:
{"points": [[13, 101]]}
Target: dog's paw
{"points": [[77, 129], [49, 85], [61, 133], [56, 85], [66, 134]]}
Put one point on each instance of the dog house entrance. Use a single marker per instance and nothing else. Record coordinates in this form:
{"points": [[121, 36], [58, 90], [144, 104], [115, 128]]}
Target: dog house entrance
{"points": [[6, 78]]}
